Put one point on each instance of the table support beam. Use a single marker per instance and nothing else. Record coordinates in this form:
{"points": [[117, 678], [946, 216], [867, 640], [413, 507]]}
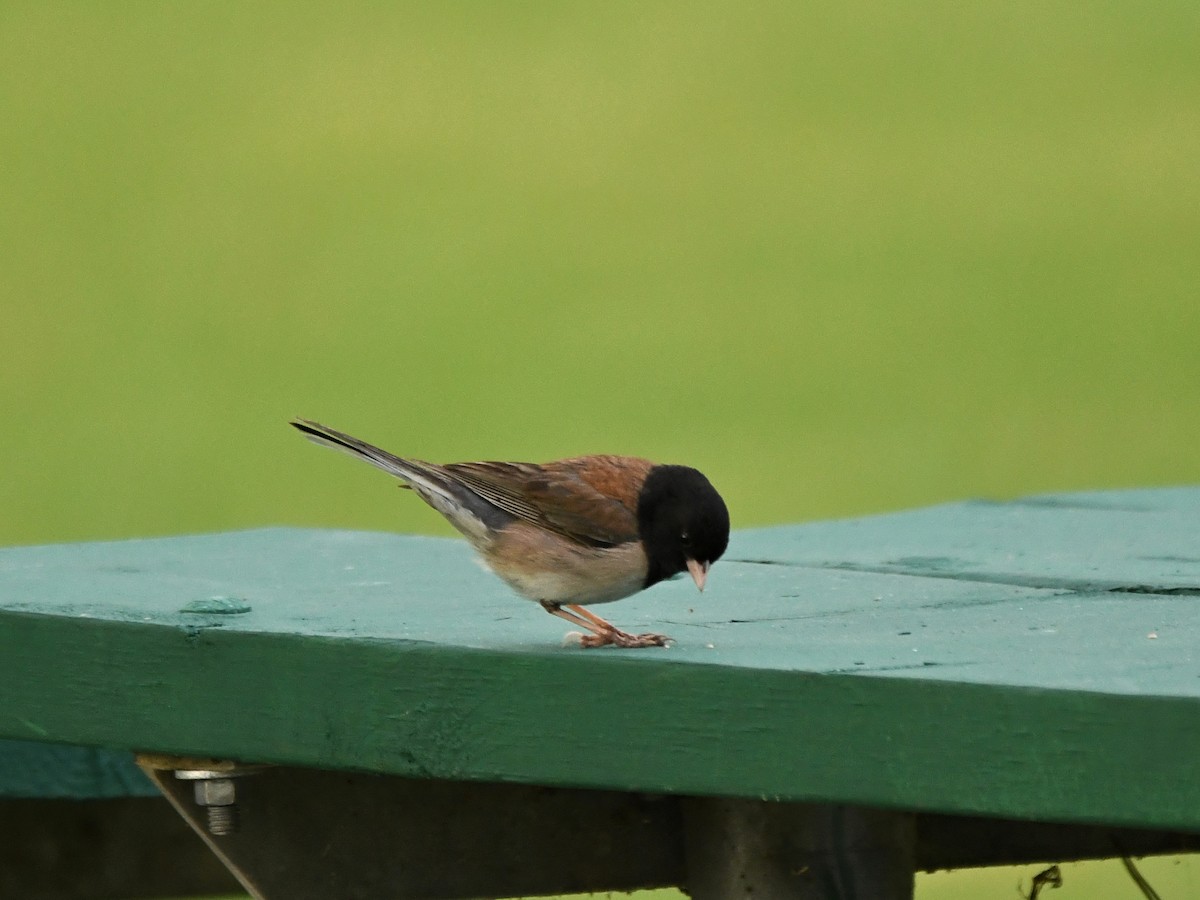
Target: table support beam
{"points": [[752, 848], [310, 833]]}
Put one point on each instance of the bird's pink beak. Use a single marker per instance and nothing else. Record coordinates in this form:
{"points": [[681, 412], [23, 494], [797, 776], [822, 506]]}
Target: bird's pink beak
{"points": [[699, 572]]}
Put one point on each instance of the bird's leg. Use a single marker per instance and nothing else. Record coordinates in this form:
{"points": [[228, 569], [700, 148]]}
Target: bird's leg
{"points": [[606, 633], [603, 633], [555, 609]]}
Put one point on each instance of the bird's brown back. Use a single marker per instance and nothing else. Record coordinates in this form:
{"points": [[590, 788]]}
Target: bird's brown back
{"points": [[590, 499]]}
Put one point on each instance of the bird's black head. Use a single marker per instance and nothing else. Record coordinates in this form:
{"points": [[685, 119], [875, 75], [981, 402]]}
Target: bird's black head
{"points": [[683, 523]]}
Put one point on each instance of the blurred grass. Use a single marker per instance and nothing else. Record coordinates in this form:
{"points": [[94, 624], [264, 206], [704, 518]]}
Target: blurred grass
{"points": [[1170, 877], [842, 257]]}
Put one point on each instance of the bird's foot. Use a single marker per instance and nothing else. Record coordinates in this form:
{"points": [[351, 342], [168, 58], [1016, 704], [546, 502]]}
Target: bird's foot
{"points": [[618, 638], [602, 633]]}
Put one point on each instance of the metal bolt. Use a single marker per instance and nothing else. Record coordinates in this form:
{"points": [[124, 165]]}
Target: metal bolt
{"points": [[214, 791]]}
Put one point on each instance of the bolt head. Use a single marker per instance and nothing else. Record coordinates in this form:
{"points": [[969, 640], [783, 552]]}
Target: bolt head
{"points": [[215, 792]]}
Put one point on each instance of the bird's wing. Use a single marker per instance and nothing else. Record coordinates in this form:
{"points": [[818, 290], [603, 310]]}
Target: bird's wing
{"points": [[589, 499]]}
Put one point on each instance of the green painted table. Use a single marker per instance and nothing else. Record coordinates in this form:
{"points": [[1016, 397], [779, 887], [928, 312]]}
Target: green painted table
{"points": [[975, 682]]}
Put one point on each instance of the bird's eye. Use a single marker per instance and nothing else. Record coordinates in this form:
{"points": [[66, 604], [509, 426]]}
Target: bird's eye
{"points": [[685, 537]]}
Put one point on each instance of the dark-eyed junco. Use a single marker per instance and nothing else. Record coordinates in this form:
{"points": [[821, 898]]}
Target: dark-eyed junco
{"points": [[590, 529]]}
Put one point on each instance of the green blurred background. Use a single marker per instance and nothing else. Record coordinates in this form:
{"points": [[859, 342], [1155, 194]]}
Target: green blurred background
{"points": [[843, 257]]}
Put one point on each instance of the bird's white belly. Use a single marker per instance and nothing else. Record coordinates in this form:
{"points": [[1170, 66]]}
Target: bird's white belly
{"points": [[574, 574], [565, 588]]}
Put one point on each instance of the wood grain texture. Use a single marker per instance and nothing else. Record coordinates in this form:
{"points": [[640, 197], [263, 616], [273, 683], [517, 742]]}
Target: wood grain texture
{"points": [[977, 658]]}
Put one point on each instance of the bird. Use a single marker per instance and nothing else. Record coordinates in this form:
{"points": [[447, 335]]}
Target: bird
{"points": [[583, 530]]}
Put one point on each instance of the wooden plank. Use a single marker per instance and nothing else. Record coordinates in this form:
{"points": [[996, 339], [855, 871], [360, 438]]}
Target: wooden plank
{"points": [[47, 771], [803, 678], [1126, 541]]}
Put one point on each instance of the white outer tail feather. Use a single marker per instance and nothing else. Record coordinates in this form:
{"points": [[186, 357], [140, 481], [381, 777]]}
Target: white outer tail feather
{"points": [[430, 488]]}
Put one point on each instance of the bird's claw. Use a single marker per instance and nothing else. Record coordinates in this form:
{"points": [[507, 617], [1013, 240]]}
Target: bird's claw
{"points": [[618, 638]]}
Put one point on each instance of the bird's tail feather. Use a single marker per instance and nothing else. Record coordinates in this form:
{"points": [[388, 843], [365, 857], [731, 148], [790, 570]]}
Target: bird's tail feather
{"points": [[409, 470], [465, 509]]}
